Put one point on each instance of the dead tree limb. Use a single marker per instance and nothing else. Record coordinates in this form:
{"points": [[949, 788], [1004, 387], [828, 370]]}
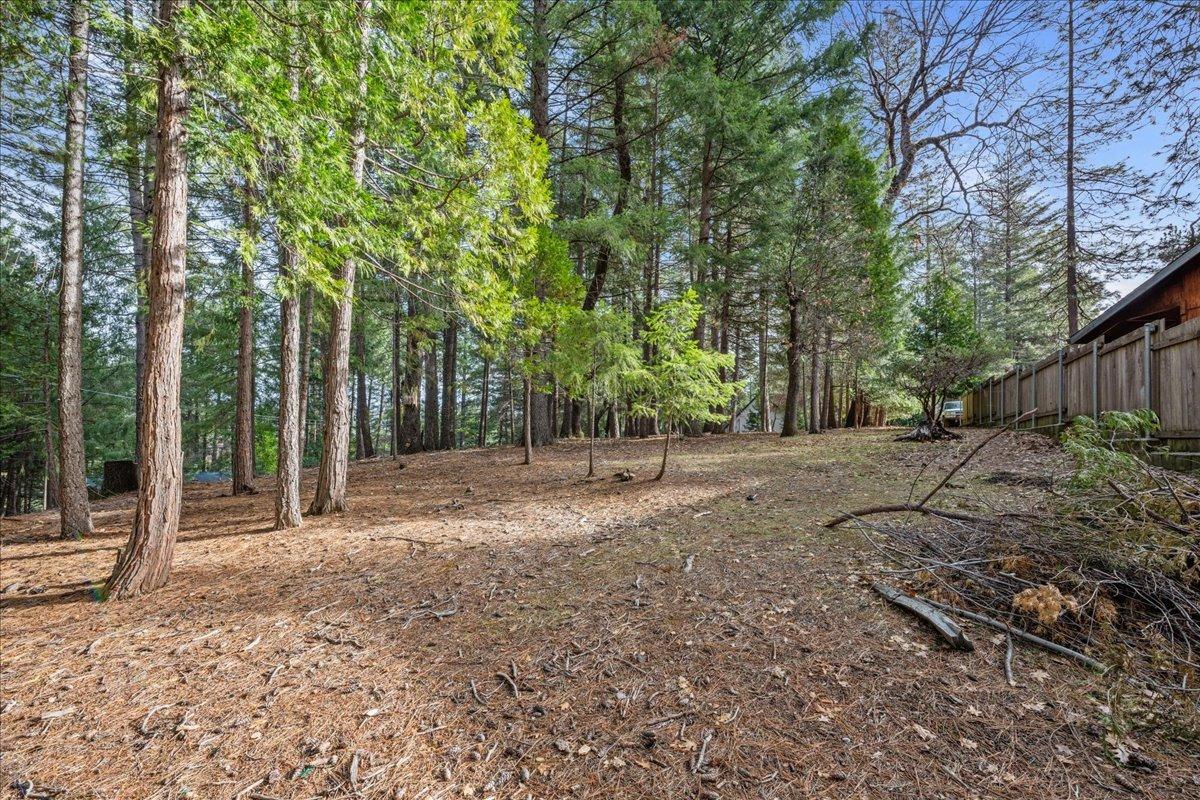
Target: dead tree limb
{"points": [[1027, 415], [947, 628], [896, 508], [1037, 641], [921, 507]]}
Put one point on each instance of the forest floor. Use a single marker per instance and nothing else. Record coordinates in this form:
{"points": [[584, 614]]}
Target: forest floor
{"points": [[476, 628]]}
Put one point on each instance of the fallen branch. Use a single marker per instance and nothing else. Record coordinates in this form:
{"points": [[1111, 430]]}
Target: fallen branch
{"points": [[1008, 659], [511, 683], [896, 508], [1045, 644], [948, 629], [921, 506], [1027, 415]]}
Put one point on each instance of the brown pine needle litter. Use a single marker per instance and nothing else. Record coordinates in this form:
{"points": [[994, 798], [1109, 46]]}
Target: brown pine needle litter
{"points": [[475, 628]]}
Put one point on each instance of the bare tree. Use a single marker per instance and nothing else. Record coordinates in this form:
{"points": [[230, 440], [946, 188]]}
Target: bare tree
{"points": [[1154, 48], [939, 76], [145, 562], [74, 512]]}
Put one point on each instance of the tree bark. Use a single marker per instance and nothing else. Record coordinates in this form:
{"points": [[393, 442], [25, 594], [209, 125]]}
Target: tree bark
{"points": [[366, 444], [568, 417], [397, 373], [829, 413], [145, 562], [50, 488], [74, 511], [591, 432], [137, 184], [243, 424], [814, 385], [662, 469], [287, 497], [527, 424], [764, 394], [410, 390], [449, 384], [335, 450], [306, 319], [432, 412], [791, 405], [484, 392]]}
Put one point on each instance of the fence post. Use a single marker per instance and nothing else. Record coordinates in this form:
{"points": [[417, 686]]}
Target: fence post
{"points": [[1096, 379], [1147, 354], [1033, 395], [1002, 399], [991, 399], [1017, 410], [1060, 385]]}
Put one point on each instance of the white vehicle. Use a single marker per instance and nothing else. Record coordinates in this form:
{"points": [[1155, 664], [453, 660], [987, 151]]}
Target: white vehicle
{"points": [[952, 413]]}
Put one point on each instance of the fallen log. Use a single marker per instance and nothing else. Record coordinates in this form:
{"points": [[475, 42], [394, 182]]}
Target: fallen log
{"points": [[947, 628]]}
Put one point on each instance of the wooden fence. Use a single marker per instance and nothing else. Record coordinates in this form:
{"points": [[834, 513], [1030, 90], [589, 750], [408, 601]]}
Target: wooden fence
{"points": [[1154, 367]]}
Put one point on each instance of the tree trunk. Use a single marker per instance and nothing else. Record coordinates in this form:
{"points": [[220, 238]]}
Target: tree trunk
{"points": [[410, 390], [397, 374], [243, 424], [791, 401], [828, 412], [50, 488], [527, 424], [136, 183], [662, 469], [542, 428], [432, 415], [449, 384], [306, 318], [287, 497], [75, 514], [366, 446], [145, 562], [568, 417], [335, 449], [591, 434], [764, 392], [814, 385], [484, 391]]}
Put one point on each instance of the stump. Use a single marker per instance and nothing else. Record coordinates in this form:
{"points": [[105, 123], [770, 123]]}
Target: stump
{"points": [[119, 477], [928, 432]]}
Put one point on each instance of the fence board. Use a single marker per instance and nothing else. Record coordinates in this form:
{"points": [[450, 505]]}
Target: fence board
{"points": [[1108, 378]]}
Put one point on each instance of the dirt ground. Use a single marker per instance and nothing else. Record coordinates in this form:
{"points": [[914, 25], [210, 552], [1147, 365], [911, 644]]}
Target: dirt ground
{"points": [[476, 628]]}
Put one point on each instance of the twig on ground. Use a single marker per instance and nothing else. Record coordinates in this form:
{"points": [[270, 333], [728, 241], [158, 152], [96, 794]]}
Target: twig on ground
{"points": [[1008, 659]]}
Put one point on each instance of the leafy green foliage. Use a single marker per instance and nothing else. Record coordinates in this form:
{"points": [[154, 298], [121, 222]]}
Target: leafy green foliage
{"points": [[1109, 447], [685, 379], [943, 348], [596, 357]]}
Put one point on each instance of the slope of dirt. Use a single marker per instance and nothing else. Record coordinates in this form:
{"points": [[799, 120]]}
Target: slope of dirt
{"points": [[475, 628]]}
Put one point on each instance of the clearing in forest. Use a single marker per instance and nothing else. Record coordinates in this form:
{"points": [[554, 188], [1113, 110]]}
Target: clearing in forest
{"points": [[475, 628]]}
